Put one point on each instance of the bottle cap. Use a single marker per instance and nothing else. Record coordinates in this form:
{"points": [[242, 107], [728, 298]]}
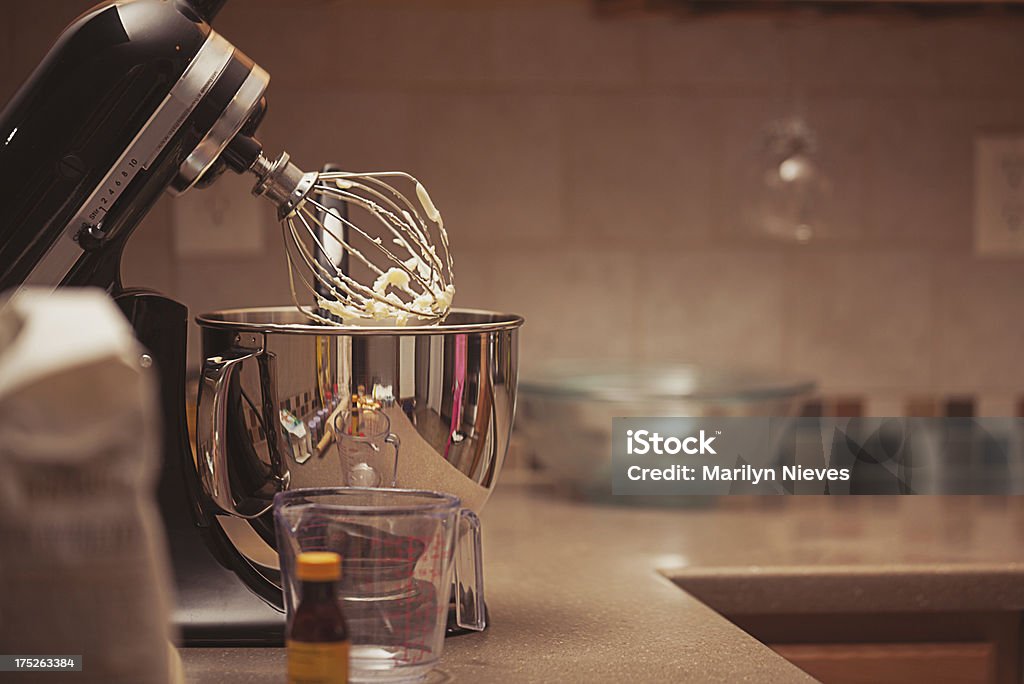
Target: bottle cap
{"points": [[318, 566]]}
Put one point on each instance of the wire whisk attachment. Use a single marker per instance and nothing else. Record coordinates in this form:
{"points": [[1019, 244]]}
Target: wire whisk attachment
{"points": [[358, 246]]}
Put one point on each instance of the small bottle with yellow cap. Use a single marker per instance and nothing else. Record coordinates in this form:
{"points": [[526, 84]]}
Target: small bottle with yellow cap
{"points": [[317, 639]]}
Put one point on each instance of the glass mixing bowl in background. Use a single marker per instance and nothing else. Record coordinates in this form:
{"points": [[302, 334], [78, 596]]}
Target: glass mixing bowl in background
{"points": [[564, 420]]}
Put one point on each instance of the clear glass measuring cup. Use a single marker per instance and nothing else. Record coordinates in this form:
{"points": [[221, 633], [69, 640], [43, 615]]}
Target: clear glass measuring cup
{"points": [[364, 441], [399, 550]]}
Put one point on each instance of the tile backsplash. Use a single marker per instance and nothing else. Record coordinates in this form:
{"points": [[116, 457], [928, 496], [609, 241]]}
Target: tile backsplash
{"points": [[595, 173]]}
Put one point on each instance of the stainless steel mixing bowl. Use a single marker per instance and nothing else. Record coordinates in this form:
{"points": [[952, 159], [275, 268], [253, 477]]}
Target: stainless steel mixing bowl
{"points": [[449, 391]]}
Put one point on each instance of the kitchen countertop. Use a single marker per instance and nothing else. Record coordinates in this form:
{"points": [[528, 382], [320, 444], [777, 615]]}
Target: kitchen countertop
{"points": [[582, 592]]}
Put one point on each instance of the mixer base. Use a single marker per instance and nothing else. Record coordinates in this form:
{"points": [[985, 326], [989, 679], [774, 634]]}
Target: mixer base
{"points": [[213, 606]]}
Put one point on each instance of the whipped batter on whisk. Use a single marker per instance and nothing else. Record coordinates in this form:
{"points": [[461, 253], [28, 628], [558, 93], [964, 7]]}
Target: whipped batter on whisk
{"points": [[415, 288]]}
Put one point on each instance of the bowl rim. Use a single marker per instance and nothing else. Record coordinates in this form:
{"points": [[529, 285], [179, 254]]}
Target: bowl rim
{"points": [[491, 321]]}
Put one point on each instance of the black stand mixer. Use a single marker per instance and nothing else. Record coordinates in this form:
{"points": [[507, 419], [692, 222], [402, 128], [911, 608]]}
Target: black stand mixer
{"points": [[133, 99], [141, 96]]}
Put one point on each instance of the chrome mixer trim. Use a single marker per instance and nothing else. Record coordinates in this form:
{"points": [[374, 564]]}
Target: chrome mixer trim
{"points": [[207, 66], [226, 127], [283, 183]]}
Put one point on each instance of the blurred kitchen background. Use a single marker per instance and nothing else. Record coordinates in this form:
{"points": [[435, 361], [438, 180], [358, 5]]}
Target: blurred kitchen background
{"points": [[597, 169]]}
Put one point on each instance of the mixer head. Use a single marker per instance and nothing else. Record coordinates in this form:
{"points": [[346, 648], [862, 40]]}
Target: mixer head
{"points": [[142, 96], [403, 258]]}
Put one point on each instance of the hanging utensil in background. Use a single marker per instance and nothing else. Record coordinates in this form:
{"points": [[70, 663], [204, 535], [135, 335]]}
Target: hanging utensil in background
{"points": [[790, 190]]}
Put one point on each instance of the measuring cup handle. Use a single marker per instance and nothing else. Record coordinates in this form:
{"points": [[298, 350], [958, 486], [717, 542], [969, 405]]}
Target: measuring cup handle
{"points": [[469, 573], [393, 440]]}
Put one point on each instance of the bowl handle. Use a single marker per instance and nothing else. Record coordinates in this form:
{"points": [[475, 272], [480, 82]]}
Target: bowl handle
{"points": [[211, 435]]}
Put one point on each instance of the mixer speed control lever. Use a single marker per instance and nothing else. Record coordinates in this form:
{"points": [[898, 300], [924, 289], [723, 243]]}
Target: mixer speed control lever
{"points": [[90, 236]]}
